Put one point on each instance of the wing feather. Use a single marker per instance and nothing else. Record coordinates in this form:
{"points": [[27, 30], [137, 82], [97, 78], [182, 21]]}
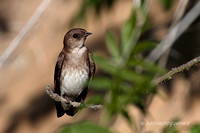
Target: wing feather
{"points": [[57, 73], [92, 66]]}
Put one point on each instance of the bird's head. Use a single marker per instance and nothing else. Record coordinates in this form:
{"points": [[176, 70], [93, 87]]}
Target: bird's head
{"points": [[75, 38]]}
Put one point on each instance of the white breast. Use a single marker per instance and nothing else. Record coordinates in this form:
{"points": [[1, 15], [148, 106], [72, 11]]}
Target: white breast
{"points": [[76, 73], [73, 81]]}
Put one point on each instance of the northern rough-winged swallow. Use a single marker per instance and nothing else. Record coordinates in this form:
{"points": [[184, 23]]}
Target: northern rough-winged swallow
{"points": [[74, 70]]}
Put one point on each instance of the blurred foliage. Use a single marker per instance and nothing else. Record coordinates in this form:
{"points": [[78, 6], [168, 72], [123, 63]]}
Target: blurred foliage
{"points": [[95, 5], [129, 77], [84, 127], [167, 3], [195, 128], [171, 128]]}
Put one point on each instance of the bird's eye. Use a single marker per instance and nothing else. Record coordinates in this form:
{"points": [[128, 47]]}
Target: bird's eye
{"points": [[75, 36]]}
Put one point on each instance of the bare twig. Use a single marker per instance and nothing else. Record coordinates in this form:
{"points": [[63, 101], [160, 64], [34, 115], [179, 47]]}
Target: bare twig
{"points": [[175, 70], [16, 41], [55, 96], [58, 98]]}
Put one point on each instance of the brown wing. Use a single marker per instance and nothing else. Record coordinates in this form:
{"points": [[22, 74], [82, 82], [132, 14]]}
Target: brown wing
{"points": [[57, 74], [92, 66]]}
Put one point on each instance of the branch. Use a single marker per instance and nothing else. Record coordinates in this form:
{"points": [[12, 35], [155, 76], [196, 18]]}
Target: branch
{"points": [[175, 70], [58, 98]]}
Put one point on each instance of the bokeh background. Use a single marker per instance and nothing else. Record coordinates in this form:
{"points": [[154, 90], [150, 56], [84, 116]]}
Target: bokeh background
{"points": [[24, 105]]}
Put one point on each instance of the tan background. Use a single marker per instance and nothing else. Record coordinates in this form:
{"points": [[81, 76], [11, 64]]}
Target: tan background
{"points": [[24, 105]]}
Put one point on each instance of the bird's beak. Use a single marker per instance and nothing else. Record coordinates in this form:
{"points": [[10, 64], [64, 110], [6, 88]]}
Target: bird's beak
{"points": [[87, 34]]}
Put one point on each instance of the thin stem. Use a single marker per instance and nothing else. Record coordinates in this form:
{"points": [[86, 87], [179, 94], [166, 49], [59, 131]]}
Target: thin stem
{"points": [[175, 70]]}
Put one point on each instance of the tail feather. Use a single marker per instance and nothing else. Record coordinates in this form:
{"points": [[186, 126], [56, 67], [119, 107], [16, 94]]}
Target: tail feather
{"points": [[59, 109], [71, 111]]}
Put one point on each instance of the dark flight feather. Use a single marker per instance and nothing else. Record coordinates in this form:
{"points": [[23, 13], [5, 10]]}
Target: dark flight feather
{"points": [[57, 74]]}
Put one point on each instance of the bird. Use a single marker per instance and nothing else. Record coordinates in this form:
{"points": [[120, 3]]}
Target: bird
{"points": [[74, 70]]}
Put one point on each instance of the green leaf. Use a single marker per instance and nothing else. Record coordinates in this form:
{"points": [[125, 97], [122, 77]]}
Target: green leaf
{"points": [[171, 128], [142, 46], [112, 45], [148, 66], [95, 99], [132, 76], [105, 64], [126, 87], [101, 83], [126, 115], [195, 129], [84, 127], [88, 5], [127, 29], [167, 3], [147, 25]]}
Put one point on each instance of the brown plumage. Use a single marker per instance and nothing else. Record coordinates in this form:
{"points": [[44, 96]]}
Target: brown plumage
{"points": [[74, 70]]}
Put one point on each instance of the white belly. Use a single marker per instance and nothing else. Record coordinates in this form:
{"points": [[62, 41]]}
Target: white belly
{"points": [[74, 81]]}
